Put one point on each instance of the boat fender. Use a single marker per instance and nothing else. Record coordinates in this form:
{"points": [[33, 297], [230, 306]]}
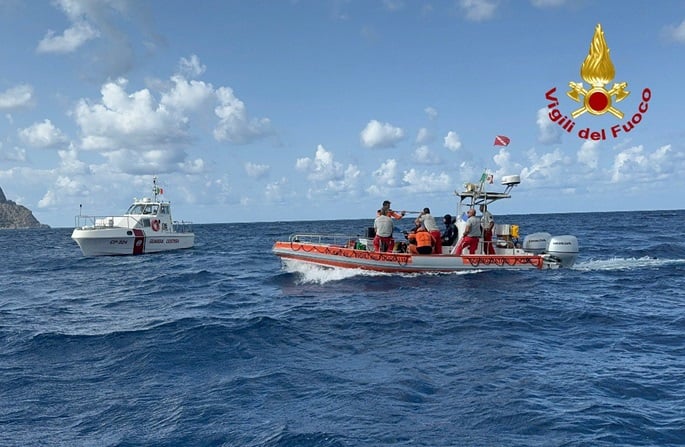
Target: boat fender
{"points": [[155, 224]]}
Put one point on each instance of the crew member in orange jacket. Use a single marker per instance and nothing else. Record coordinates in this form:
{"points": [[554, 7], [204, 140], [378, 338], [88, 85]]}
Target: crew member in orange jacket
{"points": [[428, 221], [424, 242]]}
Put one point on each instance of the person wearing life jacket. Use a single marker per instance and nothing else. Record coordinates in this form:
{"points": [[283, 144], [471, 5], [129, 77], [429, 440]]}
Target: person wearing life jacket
{"points": [[428, 221], [424, 242], [411, 241]]}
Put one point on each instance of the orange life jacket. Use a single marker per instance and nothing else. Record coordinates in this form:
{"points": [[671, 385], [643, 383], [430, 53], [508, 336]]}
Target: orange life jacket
{"points": [[423, 239]]}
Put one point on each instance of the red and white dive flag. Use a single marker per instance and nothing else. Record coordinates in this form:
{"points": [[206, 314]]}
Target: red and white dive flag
{"points": [[501, 140]]}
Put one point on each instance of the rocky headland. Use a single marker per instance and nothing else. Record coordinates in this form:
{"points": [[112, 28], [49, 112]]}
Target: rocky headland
{"points": [[14, 216]]}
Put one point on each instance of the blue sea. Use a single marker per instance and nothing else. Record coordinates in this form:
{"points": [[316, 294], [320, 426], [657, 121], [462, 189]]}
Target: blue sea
{"points": [[219, 345]]}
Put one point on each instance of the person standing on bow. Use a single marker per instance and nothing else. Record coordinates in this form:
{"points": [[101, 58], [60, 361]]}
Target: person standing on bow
{"points": [[428, 221], [487, 223], [383, 226], [390, 212], [471, 233]]}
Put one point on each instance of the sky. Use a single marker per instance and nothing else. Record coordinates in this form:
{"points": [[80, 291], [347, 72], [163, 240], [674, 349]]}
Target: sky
{"points": [[286, 110]]}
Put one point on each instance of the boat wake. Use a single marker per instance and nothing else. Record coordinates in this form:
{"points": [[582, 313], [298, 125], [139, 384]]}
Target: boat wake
{"points": [[626, 263], [315, 274]]}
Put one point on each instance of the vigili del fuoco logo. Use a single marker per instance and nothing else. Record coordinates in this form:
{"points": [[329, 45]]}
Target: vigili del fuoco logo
{"points": [[598, 71]]}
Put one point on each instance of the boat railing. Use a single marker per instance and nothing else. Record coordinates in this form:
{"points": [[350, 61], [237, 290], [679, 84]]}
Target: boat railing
{"points": [[99, 222], [183, 226], [339, 239]]}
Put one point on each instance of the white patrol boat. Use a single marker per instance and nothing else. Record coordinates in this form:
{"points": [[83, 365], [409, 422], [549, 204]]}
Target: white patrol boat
{"points": [[146, 227], [535, 251]]}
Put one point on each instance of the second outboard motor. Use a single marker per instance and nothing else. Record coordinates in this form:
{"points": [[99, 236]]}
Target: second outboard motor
{"points": [[536, 243], [564, 248]]}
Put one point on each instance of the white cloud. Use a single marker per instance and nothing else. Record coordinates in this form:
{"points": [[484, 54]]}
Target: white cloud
{"points": [[377, 134], [196, 166], [42, 135], [423, 155], [588, 154], [347, 182], [549, 167], [69, 41], [276, 192], [273, 192], [255, 170], [424, 136], [675, 33], [323, 169], [49, 199], [69, 162], [234, 124], [393, 5], [637, 166], [506, 166], [191, 67], [152, 132], [16, 97], [15, 154], [80, 14], [431, 112], [452, 141], [137, 120], [110, 23], [145, 162], [386, 174], [548, 131], [64, 185], [628, 163], [421, 182], [547, 3], [478, 10], [132, 121], [187, 95]]}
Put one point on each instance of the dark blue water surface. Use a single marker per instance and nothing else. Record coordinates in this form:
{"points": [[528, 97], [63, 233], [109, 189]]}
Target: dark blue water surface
{"points": [[221, 346]]}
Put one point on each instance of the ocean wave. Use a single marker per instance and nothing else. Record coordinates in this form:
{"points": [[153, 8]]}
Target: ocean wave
{"points": [[221, 346], [621, 263]]}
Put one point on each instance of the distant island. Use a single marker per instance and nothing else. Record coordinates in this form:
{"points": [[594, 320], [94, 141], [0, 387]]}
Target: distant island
{"points": [[13, 216]]}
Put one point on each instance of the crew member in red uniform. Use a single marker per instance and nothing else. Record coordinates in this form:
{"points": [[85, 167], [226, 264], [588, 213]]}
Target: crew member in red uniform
{"points": [[471, 233], [383, 227]]}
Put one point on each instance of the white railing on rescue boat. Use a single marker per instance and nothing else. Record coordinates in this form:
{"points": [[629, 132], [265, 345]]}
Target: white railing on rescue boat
{"points": [[84, 222], [100, 222], [339, 240]]}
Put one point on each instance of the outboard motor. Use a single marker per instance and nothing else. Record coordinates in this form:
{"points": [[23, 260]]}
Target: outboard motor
{"points": [[564, 248], [536, 243]]}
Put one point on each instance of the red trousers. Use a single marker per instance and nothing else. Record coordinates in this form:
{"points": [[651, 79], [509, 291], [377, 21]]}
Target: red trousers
{"points": [[388, 241], [468, 241], [488, 248], [437, 238]]}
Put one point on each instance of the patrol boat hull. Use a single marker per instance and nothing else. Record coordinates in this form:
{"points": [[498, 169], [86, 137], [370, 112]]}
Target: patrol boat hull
{"points": [[146, 227], [346, 256]]}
